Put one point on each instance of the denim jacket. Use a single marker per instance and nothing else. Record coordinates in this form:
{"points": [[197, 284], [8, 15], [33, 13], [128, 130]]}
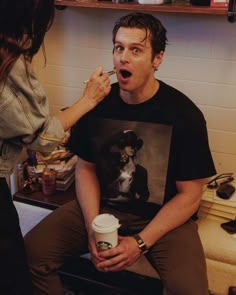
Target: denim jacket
{"points": [[24, 118]]}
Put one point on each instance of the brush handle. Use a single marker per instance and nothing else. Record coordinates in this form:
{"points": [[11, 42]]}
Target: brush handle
{"points": [[112, 72]]}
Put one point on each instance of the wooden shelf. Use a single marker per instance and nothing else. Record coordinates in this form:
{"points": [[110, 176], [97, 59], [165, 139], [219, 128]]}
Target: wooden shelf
{"points": [[51, 202], [170, 8]]}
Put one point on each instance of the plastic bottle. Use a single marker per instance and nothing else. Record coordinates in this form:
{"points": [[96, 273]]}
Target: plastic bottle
{"points": [[48, 181]]}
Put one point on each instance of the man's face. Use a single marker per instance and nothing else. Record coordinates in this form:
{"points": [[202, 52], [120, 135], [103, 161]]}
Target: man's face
{"points": [[133, 59]]}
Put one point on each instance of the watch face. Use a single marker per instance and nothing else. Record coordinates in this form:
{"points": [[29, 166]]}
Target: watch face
{"points": [[142, 246]]}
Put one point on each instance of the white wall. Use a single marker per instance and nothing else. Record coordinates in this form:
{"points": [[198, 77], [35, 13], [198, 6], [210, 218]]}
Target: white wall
{"points": [[200, 60]]}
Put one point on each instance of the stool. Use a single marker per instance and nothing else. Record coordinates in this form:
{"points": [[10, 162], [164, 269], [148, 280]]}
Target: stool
{"points": [[79, 273]]}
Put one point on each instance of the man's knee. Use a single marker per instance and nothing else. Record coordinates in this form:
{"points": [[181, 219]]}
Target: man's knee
{"points": [[182, 284]]}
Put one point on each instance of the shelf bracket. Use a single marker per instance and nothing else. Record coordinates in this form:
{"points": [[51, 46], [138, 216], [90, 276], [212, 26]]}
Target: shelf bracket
{"points": [[231, 11]]}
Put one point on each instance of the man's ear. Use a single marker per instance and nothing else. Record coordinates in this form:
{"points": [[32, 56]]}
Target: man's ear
{"points": [[158, 59]]}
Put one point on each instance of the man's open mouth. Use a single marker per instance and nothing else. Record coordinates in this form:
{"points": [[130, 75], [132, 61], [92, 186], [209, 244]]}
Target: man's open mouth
{"points": [[125, 73]]}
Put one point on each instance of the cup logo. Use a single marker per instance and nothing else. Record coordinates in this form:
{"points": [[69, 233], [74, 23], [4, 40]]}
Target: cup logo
{"points": [[105, 228], [103, 245]]}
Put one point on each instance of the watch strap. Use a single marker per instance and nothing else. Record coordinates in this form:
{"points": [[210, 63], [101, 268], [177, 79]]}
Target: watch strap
{"points": [[141, 244]]}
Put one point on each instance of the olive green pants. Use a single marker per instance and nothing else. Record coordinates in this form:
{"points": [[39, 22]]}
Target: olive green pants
{"points": [[178, 256]]}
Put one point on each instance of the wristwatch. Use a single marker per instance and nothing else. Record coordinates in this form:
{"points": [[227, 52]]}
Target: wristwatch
{"points": [[141, 244]]}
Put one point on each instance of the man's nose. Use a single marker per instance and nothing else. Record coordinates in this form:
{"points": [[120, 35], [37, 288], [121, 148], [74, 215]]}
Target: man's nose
{"points": [[124, 57]]}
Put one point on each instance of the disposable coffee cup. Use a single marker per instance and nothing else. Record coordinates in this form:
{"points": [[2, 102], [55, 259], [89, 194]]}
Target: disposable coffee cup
{"points": [[105, 227]]}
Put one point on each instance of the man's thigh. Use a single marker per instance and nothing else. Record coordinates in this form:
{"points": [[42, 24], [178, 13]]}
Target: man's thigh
{"points": [[180, 261], [60, 235], [178, 257]]}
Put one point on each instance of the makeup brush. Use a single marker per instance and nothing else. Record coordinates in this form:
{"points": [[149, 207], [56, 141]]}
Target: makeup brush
{"points": [[109, 73]]}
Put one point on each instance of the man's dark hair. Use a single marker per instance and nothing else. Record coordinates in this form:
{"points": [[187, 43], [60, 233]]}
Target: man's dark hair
{"points": [[150, 24], [23, 24]]}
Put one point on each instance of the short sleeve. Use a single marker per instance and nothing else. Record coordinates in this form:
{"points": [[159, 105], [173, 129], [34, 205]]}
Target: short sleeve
{"points": [[79, 142], [192, 155]]}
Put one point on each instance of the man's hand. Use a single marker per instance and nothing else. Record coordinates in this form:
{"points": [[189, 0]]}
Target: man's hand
{"points": [[120, 257], [95, 257]]}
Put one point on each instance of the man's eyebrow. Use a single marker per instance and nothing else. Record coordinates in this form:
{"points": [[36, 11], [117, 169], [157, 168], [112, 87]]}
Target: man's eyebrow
{"points": [[130, 44]]}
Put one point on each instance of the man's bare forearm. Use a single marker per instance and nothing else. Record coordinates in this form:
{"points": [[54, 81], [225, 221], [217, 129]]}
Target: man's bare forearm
{"points": [[87, 191], [175, 212]]}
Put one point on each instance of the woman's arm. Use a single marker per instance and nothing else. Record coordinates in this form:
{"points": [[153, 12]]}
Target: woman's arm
{"points": [[24, 100], [96, 89]]}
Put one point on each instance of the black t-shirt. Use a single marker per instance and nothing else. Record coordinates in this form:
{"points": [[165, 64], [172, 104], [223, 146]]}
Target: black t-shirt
{"points": [[141, 150]]}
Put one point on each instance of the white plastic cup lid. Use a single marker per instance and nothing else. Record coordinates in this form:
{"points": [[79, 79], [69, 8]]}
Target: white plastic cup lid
{"points": [[104, 223]]}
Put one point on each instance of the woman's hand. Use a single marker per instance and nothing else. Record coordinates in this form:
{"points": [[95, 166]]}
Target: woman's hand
{"points": [[97, 87]]}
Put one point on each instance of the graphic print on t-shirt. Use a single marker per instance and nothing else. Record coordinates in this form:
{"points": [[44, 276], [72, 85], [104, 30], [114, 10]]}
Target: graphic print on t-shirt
{"points": [[132, 160]]}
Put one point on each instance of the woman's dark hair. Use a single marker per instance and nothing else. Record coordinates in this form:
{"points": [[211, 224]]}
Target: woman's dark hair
{"points": [[23, 24], [150, 24]]}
